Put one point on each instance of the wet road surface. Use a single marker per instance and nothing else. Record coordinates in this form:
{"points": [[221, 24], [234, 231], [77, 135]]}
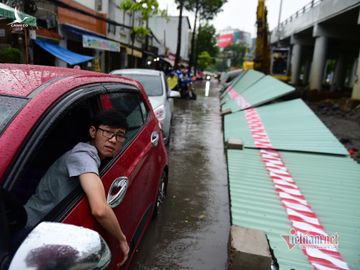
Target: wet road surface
{"points": [[191, 231]]}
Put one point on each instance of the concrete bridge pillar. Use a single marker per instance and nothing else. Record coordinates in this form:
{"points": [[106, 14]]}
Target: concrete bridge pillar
{"points": [[318, 63], [356, 88], [307, 67], [339, 74], [300, 58], [295, 63]]}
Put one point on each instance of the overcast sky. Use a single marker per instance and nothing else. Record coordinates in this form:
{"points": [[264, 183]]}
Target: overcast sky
{"points": [[241, 14]]}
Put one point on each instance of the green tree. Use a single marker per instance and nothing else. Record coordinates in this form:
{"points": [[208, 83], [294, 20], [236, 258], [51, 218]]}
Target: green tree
{"points": [[204, 60], [204, 10], [10, 55], [146, 8], [206, 40], [220, 64], [236, 52]]}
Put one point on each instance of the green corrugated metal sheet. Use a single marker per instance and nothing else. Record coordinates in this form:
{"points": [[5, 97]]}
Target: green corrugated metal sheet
{"points": [[330, 184], [245, 81], [230, 104], [265, 90], [262, 91], [242, 82], [226, 98], [290, 125], [224, 95]]}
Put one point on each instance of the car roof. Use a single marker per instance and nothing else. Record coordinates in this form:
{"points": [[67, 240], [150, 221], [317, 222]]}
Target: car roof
{"points": [[137, 71], [21, 80]]}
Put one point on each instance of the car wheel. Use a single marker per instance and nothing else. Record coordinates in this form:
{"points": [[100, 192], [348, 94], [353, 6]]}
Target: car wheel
{"points": [[161, 194]]}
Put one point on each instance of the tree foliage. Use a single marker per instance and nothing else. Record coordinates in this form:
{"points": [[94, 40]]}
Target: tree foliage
{"points": [[220, 64], [236, 52], [10, 55], [204, 60], [206, 40], [207, 8], [203, 9], [146, 8]]}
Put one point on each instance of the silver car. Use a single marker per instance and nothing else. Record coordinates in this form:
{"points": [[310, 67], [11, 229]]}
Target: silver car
{"points": [[155, 85]]}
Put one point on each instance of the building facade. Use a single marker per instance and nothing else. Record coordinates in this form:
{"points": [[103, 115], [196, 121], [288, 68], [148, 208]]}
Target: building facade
{"points": [[93, 34], [166, 30]]}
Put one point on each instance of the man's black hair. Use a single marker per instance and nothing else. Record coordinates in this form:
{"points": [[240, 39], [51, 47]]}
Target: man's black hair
{"points": [[112, 118]]}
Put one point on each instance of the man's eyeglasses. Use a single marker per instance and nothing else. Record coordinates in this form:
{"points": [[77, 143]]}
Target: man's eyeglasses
{"points": [[120, 137]]}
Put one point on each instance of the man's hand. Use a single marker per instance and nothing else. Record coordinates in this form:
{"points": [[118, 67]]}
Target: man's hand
{"points": [[100, 209], [124, 247]]}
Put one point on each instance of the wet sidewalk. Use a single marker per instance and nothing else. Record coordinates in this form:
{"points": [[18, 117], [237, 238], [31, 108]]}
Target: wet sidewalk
{"points": [[191, 232]]}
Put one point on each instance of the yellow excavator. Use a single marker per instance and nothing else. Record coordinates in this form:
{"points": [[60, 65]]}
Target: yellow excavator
{"points": [[273, 61], [262, 51]]}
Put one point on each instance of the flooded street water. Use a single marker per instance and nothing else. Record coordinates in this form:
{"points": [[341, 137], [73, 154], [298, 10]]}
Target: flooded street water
{"points": [[191, 232]]}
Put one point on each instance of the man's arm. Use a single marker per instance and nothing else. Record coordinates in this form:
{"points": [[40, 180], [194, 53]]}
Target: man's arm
{"points": [[94, 190]]}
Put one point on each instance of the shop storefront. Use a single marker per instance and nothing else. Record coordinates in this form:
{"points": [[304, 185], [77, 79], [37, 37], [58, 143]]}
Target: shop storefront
{"points": [[86, 34], [134, 57], [15, 27]]}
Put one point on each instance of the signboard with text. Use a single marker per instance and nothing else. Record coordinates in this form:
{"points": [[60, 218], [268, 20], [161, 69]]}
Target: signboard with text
{"points": [[100, 43]]}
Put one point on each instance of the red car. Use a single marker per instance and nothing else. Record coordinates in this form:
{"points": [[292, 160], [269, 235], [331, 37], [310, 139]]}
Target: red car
{"points": [[44, 112]]}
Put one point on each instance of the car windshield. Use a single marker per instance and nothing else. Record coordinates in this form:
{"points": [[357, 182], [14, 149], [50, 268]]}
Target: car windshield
{"points": [[151, 83], [9, 106]]}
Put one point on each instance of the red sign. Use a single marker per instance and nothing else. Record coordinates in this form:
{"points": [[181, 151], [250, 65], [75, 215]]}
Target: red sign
{"points": [[224, 40]]}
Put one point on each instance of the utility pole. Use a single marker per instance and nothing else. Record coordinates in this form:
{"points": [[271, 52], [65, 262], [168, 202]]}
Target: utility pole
{"points": [[132, 36], [278, 32], [194, 41], [178, 47]]}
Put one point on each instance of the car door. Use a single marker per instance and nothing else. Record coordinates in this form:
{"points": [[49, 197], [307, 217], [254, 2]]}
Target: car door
{"points": [[143, 160], [62, 126]]}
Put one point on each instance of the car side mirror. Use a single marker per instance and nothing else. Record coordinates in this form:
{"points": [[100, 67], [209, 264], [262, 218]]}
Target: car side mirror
{"points": [[174, 94], [61, 246]]}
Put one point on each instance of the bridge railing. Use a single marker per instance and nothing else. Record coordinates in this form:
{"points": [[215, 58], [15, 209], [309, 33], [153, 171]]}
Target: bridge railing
{"points": [[301, 11]]}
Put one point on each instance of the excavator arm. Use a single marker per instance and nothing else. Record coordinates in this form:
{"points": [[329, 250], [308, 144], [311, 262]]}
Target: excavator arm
{"points": [[262, 51]]}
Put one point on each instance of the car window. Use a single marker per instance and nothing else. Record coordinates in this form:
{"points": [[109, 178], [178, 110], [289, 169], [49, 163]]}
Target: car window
{"points": [[69, 128], [134, 109], [62, 128], [152, 84], [9, 107]]}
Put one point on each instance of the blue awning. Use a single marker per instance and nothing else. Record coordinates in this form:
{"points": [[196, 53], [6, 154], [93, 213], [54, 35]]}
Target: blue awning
{"points": [[63, 54]]}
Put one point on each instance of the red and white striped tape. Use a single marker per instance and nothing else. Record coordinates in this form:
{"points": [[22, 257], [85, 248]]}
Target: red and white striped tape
{"points": [[302, 217]]}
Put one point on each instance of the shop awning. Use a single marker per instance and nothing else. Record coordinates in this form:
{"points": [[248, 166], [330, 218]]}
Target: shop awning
{"points": [[16, 16], [63, 54]]}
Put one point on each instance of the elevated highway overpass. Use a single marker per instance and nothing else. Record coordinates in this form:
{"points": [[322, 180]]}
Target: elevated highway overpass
{"points": [[324, 42]]}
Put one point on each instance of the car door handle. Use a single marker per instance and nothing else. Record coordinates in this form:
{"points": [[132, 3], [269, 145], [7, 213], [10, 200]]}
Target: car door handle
{"points": [[155, 138], [117, 191]]}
